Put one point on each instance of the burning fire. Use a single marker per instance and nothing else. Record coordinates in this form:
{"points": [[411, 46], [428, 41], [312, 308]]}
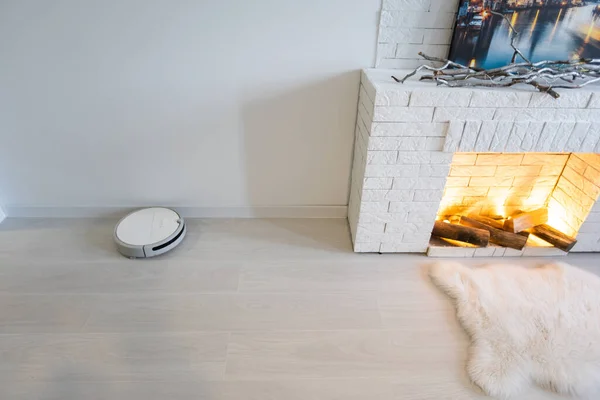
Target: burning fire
{"points": [[496, 187]]}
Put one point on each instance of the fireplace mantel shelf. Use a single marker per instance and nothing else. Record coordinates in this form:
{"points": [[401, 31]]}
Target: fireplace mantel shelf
{"points": [[383, 91], [407, 134], [383, 79]]}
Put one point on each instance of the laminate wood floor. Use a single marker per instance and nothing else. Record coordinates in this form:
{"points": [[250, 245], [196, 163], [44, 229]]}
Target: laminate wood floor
{"points": [[242, 310]]}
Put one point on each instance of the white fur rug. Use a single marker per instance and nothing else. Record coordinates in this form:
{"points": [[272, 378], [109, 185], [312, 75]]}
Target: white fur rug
{"points": [[539, 325]]}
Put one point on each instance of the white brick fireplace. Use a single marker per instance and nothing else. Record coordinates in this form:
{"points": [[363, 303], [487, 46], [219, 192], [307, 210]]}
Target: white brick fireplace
{"points": [[407, 136]]}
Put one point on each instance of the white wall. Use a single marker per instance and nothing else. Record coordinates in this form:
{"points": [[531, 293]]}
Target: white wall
{"points": [[410, 26], [222, 103]]}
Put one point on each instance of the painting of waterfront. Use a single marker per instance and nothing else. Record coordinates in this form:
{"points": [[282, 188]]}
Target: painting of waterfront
{"points": [[549, 30]]}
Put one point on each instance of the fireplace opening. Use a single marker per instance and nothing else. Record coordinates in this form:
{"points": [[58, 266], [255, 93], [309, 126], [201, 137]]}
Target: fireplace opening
{"points": [[504, 202]]}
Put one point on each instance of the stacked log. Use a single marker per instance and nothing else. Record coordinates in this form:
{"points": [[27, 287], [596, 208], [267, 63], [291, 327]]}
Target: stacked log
{"points": [[478, 230]]}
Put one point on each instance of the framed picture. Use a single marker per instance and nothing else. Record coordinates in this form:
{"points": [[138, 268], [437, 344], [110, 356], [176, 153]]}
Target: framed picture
{"points": [[549, 30]]}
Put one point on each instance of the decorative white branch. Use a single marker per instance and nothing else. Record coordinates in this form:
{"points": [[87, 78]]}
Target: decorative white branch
{"points": [[513, 37]]}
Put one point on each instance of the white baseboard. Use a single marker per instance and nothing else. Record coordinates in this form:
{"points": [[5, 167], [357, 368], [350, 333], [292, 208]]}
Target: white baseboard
{"points": [[185, 211]]}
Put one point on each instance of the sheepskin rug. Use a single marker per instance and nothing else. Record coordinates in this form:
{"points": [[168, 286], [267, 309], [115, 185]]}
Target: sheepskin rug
{"points": [[527, 326]]}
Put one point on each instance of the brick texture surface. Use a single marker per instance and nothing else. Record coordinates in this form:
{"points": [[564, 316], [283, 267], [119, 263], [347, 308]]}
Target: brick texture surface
{"points": [[407, 27], [419, 151]]}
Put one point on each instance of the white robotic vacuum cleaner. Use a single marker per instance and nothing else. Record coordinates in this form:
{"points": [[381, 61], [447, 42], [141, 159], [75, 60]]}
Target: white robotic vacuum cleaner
{"points": [[149, 232]]}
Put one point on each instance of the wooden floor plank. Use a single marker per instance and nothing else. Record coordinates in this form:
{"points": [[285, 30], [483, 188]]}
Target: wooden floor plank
{"points": [[243, 310]]}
